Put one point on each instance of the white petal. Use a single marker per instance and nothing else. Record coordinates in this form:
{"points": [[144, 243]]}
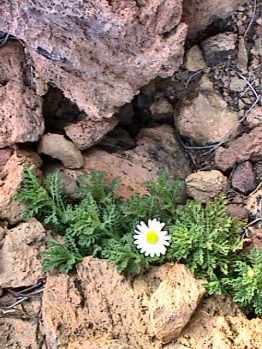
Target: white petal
{"points": [[162, 250], [156, 225], [152, 253]]}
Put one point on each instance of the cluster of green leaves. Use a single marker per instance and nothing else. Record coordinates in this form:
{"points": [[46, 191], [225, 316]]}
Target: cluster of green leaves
{"points": [[99, 223], [206, 239], [244, 281]]}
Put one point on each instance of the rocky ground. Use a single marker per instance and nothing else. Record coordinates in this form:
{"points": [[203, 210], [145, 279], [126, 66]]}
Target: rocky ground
{"points": [[147, 97]]}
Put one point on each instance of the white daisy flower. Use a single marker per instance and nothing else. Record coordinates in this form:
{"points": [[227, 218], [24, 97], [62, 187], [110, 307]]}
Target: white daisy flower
{"points": [[150, 239]]}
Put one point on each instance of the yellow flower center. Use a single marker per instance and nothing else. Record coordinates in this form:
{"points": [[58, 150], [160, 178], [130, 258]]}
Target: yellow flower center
{"points": [[251, 273], [152, 237]]}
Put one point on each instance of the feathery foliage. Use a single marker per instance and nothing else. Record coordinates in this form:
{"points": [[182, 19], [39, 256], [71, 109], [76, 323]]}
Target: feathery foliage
{"points": [[99, 223], [206, 238], [244, 282]]}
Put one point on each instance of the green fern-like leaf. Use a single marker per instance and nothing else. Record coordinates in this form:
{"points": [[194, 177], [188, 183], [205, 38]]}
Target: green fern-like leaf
{"points": [[205, 238], [244, 282], [61, 257], [42, 200]]}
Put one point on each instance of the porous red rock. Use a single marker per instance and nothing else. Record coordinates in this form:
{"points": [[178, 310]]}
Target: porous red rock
{"points": [[88, 132], [5, 154], [184, 294], [20, 329], [254, 118], [246, 147], [157, 150], [16, 333], [218, 327], [10, 181], [98, 53], [243, 177], [20, 108], [100, 343]]}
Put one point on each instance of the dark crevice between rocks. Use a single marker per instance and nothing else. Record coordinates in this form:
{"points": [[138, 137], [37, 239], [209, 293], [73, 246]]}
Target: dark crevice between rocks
{"points": [[218, 25], [59, 111]]}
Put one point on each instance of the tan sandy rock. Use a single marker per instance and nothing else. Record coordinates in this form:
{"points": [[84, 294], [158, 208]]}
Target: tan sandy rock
{"points": [[20, 255]]}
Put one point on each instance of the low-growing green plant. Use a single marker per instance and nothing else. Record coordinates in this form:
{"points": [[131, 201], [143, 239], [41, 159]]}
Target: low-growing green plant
{"points": [[244, 282], [206, 238], [99, 223]]}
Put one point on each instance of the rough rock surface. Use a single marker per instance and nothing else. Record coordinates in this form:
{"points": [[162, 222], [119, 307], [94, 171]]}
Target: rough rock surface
{"points": [[161, 109], [16, 333], [243, 177], [237, 84], [5, 154], [206, 118], [219, 48], [254, 203], [246, 147], [205, 185], [98, 302], [10, 181], [227, 331], [255, 237], [157, 150], [101, 343], [88, 132], [236, 208], [20, 255], [199, 14], [254, 118], [184, 294], [19, 329], [98, 53], [58, 147], [20, 108]]}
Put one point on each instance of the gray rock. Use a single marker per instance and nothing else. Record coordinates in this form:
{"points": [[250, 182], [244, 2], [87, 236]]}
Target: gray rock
{"points": [[58, 147], [206, 118], [219, 48], [237, 84], [195, 60]]}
